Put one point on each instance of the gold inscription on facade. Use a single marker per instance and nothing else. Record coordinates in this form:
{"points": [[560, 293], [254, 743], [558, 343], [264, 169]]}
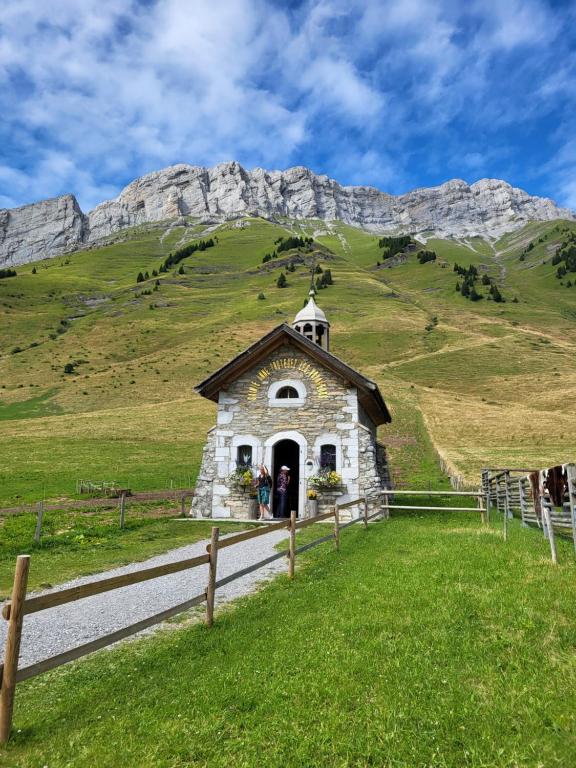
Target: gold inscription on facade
{"points": [[285, 363]]}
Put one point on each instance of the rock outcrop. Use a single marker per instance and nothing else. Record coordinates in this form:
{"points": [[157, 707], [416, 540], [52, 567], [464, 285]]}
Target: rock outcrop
{"points": [[41, 230], [488, 208]]}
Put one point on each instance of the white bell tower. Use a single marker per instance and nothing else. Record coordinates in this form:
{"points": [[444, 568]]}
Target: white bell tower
{"points": [[312, 323]]}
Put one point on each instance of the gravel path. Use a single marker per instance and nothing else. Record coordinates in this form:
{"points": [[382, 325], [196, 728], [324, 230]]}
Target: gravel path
{"points": [[55, 630]]}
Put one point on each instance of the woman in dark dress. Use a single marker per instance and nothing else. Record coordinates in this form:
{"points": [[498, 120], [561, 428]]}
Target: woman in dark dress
{"points": [[282, 483]]}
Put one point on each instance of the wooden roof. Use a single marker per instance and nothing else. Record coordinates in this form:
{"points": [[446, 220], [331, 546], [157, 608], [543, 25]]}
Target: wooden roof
{"points": [[368, 393]]}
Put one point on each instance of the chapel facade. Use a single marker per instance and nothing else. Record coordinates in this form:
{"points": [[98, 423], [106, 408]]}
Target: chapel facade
{"points": [[287, 400]]}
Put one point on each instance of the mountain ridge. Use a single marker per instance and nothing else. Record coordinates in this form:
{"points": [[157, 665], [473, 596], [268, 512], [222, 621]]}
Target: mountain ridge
{"points": [[488, 207]]}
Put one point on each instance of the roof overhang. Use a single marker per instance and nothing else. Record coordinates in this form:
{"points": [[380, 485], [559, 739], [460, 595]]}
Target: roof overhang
{"points": [[369, 395]]}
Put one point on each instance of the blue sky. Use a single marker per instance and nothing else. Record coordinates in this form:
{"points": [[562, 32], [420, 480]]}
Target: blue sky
{"points": [[396, 94]]}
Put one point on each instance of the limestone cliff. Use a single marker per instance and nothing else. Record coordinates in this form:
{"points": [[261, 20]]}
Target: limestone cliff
{"points": [[489, 207], [41, 230]]}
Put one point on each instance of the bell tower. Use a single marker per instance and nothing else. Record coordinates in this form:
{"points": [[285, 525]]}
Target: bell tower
{"points": [[312, 323]]}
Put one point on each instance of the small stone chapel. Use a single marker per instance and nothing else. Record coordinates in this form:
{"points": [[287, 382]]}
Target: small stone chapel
{"points": [[287, 400]]}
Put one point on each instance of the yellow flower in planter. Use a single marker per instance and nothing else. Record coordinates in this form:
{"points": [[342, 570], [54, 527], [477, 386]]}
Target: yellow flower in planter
{"points": [[325, 479]]}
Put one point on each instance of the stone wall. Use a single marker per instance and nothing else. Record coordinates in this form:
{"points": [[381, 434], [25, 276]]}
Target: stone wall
{"points": [[326, 411]]}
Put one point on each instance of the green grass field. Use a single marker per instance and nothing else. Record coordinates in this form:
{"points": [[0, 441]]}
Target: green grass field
{"points": [[478, 383], [426, 641]]}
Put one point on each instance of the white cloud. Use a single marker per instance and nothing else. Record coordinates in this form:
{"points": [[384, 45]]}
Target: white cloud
{"points": [[96, 94]]}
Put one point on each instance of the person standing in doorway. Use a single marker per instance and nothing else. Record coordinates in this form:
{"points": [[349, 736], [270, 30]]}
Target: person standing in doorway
{"points": [[263, 486], [282, 483]]}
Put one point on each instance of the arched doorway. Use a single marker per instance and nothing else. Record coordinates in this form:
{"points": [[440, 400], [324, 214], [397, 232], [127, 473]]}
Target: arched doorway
{"points": [[286, 453]]}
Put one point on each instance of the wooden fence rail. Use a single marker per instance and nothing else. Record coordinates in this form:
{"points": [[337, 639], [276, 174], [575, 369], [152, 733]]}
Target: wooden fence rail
{"points": [[181, 495], [19, 606]]}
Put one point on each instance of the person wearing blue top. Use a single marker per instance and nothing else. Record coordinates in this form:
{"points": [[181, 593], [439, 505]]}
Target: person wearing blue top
{"points": [[264, 486]]}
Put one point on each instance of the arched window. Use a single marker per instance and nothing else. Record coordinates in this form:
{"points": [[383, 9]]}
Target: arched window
{"points": [[244, 456], [287, 392], [328, 457], [308, 331]]}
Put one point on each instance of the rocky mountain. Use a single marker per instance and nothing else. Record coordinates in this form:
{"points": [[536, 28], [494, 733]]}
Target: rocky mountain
{"points": [[488, 208]]}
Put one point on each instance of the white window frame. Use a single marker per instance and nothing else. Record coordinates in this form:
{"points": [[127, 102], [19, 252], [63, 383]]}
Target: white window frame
{"points": [[287, 402], [328, 438]]}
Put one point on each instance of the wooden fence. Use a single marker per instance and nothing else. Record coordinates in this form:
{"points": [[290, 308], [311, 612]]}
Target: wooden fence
{"points": [[180, 496], [93, 506], [19, 605], [525, 493]]}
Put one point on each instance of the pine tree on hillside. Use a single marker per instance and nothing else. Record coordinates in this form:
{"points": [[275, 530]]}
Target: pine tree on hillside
{"points": [[495, 293], [282, 282], [140, 278], [474, 295]]}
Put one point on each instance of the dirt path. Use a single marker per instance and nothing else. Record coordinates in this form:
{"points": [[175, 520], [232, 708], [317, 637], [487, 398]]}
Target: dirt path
{"points": [[55, 630]]}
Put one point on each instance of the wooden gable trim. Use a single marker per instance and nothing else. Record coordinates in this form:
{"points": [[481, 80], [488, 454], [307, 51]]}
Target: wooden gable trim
{"points": [[369, 394]]}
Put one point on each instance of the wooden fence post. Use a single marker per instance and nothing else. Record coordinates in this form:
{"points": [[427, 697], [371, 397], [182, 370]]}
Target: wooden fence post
{"points": [[12, 651], [479, 501], [522, 498], [550, 529], [507, 504], [506, 514], [40, 515], [292, 549], [122, 509], [571, 478], [336, 527], [365, 512], [488, 494], [386, 510], [212, 565]]}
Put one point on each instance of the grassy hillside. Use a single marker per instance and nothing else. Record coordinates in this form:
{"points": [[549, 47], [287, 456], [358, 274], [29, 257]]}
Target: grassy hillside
{"points": [[479, 382]]}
